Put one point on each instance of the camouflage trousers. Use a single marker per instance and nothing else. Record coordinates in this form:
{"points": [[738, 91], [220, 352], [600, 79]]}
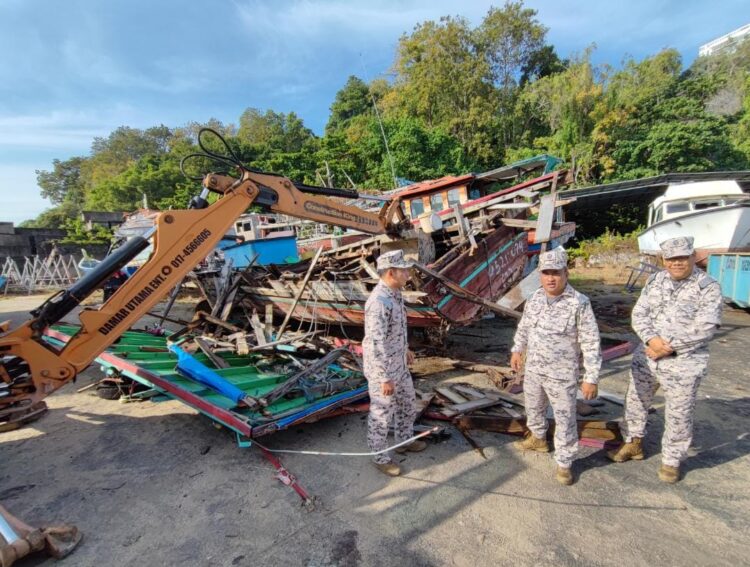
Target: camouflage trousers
{"points": [[679, 377], [541, 391], [399, 408]]}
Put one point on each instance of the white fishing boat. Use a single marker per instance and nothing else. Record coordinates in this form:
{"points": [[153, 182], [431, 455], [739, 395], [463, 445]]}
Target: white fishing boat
{"points": [[715, 213]]}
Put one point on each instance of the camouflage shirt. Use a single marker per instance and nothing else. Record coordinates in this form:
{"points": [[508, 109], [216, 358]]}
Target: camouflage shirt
{"points": [[685, 313], [555, 333], [385, 345]]}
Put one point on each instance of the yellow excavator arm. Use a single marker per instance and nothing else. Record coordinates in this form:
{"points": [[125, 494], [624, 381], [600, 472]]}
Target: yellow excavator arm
{"points": [[31, 369]]}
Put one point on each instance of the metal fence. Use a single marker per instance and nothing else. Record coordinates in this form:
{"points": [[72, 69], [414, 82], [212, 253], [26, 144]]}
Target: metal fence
{"points": [[37, 274]]}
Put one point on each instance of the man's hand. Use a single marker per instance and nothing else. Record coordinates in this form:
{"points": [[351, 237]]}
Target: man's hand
{"points": [[589, 391], [658, 348], [409, 358], [516, 361], [387, 388]]}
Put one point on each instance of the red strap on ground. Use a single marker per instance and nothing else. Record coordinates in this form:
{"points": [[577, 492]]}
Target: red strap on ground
{"points": [[286, 477]]}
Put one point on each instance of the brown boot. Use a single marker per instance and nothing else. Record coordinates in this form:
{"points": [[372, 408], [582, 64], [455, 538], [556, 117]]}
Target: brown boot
{"points": [[669, 474], [564, 476], [627, 451], [531, 443], [390, 468], [414, 447]]}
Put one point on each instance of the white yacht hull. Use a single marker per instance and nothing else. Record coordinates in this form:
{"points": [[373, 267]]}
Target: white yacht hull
{"points": [[723, 229]]}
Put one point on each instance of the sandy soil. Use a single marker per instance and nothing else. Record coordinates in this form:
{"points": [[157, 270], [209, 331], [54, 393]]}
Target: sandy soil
{"points": [[155, 484]]}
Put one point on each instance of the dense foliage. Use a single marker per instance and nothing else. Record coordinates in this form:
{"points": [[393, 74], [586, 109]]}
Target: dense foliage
{"points": [[462, 99]]}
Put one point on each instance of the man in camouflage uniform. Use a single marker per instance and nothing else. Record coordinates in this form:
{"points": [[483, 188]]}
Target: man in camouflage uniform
{"points": [[557, 327], [386, 360], [676, 315]]}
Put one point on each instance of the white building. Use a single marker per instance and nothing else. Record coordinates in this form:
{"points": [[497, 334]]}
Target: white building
{"points": [[726, 41]]}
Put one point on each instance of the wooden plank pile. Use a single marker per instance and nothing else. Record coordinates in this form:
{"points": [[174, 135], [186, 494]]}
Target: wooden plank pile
{"points": [[502, 411]]}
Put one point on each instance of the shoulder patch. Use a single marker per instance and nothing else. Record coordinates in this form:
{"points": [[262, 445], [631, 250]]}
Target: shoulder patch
{"points": [[706, 281], [583, 299]]}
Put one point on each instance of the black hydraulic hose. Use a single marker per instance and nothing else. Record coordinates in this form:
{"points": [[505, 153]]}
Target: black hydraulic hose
{"points": [[58, 306]]}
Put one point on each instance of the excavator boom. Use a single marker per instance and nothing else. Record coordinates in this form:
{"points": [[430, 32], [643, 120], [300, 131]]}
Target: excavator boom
{"points": [[181, 239]]}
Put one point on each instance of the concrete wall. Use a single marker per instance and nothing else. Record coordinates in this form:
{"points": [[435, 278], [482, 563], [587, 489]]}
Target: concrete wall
{"points": [[20, 242]]}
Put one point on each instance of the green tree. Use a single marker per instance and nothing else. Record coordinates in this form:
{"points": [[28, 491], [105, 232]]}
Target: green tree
{"points": [[674, 132], [352, 100], [77, 233], [728, 70], [509, 39], [741, 131], [63, 183], [628, 89], [541, 63], [418, 152], [273, 131], [444, 81], [113, 155], [54, 217], [688, 141], [564, 103], [156, 177]]}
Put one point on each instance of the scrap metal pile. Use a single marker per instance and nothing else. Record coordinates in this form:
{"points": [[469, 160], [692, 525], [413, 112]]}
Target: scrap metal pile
{"points": [[254, 392]]}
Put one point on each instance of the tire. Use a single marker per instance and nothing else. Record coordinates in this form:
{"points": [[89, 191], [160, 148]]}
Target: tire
{"points": [[108, 392]]}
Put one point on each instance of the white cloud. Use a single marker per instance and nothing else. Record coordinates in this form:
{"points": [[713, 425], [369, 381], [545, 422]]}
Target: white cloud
{"points": [[64, 130], [72, 130], [293, 34]]}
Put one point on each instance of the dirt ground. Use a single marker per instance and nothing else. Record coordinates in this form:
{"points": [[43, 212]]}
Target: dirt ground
{"points": [[156, 484]]}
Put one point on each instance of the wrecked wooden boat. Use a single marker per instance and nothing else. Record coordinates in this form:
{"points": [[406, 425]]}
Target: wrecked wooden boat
{"points": [[474, 255]]}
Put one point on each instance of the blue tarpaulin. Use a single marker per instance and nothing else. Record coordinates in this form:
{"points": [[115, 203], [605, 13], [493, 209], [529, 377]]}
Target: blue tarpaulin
{"points": [[193, 369]]}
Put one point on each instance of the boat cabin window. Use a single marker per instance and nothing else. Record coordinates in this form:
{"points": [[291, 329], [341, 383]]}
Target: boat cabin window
{"points": [[701, 205], [475, 193], [436, 202], [417, 208], [454, 196], [677, 208], [658, 214]]}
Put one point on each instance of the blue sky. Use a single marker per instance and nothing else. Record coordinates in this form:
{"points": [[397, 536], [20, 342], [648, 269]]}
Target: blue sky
{"points": [[73, 70]]}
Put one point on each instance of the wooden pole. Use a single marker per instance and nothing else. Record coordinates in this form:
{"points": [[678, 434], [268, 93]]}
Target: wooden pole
{"points": [[458, 291], [553, 191], [299, 294]]}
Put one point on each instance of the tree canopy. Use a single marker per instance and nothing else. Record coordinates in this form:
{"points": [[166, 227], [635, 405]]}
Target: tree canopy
{"points": [[461, 98]]}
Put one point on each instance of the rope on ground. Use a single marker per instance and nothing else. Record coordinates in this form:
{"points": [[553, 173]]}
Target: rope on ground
{"points": [[335, 454]]}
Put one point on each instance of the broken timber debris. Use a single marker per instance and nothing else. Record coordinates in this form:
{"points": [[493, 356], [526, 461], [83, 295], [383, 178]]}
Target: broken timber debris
{"points": [[465, 268], [502, 412]]}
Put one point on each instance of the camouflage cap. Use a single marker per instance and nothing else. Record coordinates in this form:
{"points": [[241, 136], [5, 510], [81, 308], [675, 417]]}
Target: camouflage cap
{"points": [[393, 259], [556, 259], [675, 247]]}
